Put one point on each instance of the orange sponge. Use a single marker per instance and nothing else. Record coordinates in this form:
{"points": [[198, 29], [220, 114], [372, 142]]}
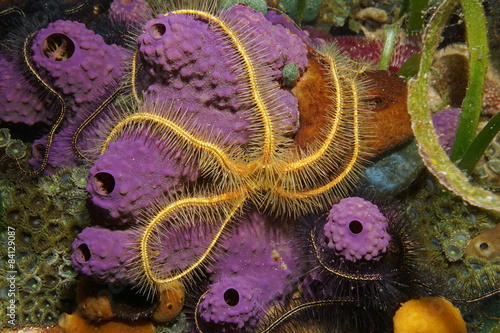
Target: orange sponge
{"points": [[428, 315], [75, 323]]}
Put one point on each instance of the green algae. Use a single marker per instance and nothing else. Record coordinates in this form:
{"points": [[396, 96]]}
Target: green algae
{"points": [[478, 146], [391, 32], [477, 40], [414, 9], [433, 154]]}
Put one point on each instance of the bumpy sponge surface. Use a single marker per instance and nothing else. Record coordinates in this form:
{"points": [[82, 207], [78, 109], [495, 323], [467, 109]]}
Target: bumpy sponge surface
{"points": [[356, 229]]}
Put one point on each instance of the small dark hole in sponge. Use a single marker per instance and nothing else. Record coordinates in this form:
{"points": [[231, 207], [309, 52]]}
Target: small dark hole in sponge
{"points": [[157, 30], [356, 227], [231, 297], [84, 252], [104, 183]]}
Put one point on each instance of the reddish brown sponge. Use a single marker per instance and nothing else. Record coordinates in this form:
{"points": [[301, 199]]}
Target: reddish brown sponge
{"points": [[390, 120]]}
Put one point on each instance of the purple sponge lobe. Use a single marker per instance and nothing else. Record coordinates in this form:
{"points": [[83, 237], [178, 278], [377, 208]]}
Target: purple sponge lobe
{"points": [[78, 61], [132, 12], [131, 174], [258, 241], [356, 229], [231, 304], [103, 254], [19, 100]]}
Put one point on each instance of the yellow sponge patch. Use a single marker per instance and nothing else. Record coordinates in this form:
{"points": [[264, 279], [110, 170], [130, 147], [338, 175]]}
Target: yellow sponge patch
{"points": [[428, 315]]}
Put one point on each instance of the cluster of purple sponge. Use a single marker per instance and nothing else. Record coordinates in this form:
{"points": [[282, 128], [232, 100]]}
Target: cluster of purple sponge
{"points": [[194, 62], [192, 72], [77, 64], [192, 69], [190, 64]]}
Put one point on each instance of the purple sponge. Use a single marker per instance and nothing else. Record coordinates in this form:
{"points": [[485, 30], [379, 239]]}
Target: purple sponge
{"points": [[356, 229], [78, 61], [19, 102], [111, 255], [232, 305], [445, 124], [132, 12], [134, 172], [238, 297], [193, 63], [103, 254], [85, 70], [257, 240]]}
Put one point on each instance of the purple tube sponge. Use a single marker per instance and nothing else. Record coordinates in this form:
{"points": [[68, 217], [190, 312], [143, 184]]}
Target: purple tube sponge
{"points": [[445, 124], [103, 254], [132, 12], [356, 229], [231, 305], [133, 173], [77, 61], [112, 255], [258, 241], [19, 100], [61, 153], [238, 298], [85, 71], [193, 62]]}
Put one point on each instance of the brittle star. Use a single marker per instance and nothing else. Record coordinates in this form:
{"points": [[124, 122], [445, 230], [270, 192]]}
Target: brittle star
{"points": [[276, 174]]}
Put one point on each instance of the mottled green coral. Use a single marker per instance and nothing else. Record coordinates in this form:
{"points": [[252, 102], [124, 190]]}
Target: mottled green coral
{"points": [[291, 7], [257, 5], [4, 137], [454, 243], [46, 212], [447, 223], [487, 172], [13, 147]]}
